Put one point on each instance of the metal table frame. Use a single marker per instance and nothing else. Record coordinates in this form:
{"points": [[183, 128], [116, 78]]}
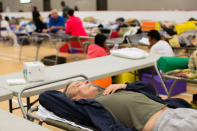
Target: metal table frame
{"points": [[55, 40]]}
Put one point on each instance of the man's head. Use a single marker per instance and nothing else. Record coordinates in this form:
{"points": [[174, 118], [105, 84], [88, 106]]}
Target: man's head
{"points": [[153, 37], [54, 14], [7, 18], [63, 3], [70, 13], [80, 90], [120, 21], [100, 39], [33, 8]]}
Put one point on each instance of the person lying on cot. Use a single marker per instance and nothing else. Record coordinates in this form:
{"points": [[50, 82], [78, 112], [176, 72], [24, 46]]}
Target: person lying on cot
{"points": [[121, 107]]}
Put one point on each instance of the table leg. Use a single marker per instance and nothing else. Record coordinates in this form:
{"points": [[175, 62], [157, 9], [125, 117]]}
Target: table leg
{"points": [[10, 106]]}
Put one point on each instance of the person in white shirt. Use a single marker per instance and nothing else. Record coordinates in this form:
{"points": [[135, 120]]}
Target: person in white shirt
{"points": [[6, 32], [158, 46]]}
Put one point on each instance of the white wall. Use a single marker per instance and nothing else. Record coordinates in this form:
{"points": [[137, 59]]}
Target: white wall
{"points": [[83, 5], [15, 6], [152, 4], [114, 5], [175, 16]]}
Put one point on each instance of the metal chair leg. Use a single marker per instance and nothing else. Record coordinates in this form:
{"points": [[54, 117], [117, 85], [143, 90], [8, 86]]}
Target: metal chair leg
{"points": [[160, 77], [10, 106]]}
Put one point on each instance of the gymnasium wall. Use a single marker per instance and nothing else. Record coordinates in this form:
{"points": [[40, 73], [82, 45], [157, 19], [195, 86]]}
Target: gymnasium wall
{"points": [[152, 5], [113, 5], [174, 16]]}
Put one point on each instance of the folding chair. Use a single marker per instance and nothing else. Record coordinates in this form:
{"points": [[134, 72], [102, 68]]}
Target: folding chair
{"points": [[166, 64], [22, 37], [85, 41], [135, 39]]}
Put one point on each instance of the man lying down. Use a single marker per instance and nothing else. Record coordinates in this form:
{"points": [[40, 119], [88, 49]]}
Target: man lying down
{"points": [[120, 107]]}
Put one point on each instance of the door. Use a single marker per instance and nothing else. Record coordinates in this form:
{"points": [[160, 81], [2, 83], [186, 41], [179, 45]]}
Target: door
{"points": [[47, 5], [101, 4], [1, 7]]}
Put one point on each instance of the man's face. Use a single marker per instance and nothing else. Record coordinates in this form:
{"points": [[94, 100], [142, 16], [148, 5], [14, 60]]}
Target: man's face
{"points": [[151, 41], [68, 15], [82, 90], [54, 15], [32, 9]]}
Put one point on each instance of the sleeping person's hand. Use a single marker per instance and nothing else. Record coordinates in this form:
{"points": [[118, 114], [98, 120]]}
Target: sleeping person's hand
{"points": [[113, 88]]}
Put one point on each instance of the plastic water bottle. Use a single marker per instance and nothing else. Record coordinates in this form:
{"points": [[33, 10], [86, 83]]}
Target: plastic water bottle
{"points": [[115, 46], [76, 58]]}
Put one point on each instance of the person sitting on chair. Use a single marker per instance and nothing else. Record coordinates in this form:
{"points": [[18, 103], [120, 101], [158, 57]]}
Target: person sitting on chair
{"points": [[98, 50], [124, 107], [5, 31], [56, 23], [74, 26], [157, 45]]}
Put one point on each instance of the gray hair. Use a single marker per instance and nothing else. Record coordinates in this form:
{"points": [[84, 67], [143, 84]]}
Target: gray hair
{"points": [[66, 92], [70, 95], [54, 10]]}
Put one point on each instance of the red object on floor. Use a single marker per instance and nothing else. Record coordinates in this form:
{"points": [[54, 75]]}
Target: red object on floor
{"points": [[75, 46], [114, 34]]}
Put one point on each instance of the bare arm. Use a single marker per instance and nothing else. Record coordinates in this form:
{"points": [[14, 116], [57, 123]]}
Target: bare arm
{"points": [[60, 27]]}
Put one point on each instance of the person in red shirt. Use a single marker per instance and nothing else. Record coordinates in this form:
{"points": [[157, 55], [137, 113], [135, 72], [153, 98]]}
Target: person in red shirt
{"points": [[74, 25], [98, 50]]}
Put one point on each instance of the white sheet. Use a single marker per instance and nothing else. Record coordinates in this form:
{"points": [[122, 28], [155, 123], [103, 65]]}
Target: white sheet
{"points": [[42, 112], [131, 53]]}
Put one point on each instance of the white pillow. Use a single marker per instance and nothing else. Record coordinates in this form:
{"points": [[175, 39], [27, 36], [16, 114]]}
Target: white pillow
{"points": [[131, 53]]}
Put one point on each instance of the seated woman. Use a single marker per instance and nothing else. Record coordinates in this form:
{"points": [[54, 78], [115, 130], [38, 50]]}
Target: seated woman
{"points": [[5, 31], [120, 107], [98, 50]]}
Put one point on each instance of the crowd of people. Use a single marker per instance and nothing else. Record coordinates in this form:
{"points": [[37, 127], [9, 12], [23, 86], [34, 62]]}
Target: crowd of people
{"points": [[67, 23], [70, 24]]}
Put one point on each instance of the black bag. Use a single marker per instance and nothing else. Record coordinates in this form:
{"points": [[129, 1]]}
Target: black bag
{"points": [[23, 41], [50, 60]]}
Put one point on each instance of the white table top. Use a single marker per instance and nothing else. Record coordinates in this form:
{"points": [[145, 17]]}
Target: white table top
{"points": [[10, 122], [5, 94], [93, 68]]}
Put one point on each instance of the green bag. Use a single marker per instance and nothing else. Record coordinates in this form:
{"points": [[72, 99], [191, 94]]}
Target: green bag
{"points": [[171, 63]]}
